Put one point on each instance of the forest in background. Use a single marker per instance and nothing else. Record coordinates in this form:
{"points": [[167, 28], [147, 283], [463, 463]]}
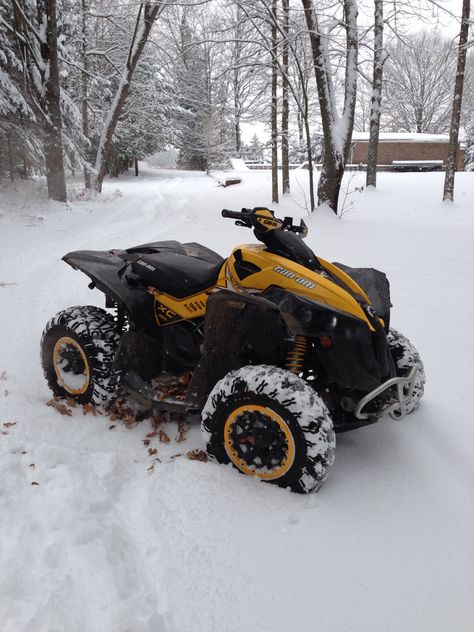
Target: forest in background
{"points": [[94, 85]]}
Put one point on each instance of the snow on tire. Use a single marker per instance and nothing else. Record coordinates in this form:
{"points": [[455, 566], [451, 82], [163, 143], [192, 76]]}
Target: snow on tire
{"points": [[405, 356], [269, 423], [78, 348]]}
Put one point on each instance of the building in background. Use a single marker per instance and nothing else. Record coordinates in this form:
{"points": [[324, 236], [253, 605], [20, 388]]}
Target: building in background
{"points": [[403, 147]]}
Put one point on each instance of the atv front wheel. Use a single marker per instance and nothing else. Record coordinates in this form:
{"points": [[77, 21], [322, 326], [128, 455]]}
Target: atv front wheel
{"points": [[271, 424], [78, 348], [405, 357]]}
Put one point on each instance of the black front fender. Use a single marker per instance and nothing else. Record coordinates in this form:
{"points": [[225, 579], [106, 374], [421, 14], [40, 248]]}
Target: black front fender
{"points": [[239, 329]]}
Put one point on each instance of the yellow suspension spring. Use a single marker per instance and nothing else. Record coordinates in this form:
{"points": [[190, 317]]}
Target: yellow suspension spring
{"points": [[295, 357]]}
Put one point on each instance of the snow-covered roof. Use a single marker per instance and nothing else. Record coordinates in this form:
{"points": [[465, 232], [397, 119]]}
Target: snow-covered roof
{"points": [[406, 137]]}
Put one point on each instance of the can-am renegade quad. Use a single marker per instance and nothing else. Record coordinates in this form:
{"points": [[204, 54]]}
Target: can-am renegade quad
{"points": [[284, 348]]}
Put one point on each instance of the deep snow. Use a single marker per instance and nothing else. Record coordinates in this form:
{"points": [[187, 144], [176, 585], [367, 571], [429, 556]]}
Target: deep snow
{"points": [[104, 543]]}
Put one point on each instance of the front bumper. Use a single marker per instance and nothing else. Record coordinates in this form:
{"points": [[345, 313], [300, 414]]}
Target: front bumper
{"points": [[398, 390]]}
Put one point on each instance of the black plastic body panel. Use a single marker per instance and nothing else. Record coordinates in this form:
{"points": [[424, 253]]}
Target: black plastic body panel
{"points": [[112, 276], [377, 287], [113, 273]]}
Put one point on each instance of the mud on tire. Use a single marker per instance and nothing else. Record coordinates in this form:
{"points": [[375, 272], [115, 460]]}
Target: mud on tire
{"points": [[303, 422], [405, 356], [78, 348]]}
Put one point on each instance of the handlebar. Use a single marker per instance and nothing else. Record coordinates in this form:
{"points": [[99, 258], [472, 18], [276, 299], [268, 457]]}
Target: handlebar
{"points": [[249, 217], [231, 214]]}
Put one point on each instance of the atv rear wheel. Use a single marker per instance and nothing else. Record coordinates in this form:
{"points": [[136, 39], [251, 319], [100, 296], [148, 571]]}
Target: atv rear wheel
{"points": [[271, 424], [405, 357], [78, 348]]}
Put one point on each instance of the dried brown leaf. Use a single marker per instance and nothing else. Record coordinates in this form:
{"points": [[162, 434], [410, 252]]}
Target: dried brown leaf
{"points": [[59, 406], [197, 455], [183, 427], [186, 378], [9, 424], [152, 451], [89, 409], [146, 442], [163, 437]]}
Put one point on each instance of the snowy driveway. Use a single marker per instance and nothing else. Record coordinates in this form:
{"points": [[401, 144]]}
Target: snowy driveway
{"points": [[92, 539]]}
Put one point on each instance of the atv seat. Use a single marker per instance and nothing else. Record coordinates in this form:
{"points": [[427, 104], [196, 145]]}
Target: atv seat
{"points": [[177, 274]]}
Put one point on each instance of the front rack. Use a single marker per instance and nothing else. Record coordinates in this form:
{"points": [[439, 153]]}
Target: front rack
{"points": [[403, 387]]}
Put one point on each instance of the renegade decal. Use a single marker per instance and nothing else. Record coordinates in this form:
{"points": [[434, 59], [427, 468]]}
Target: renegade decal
{"points": [[164, 315], [291, 275]]}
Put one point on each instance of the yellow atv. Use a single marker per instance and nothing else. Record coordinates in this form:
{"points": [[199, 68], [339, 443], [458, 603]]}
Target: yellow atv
{"points": [[282, 349]]}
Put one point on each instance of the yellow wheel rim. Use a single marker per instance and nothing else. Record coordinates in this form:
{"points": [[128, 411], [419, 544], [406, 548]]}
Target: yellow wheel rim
{"points": [[73, 383], [252, 470]]}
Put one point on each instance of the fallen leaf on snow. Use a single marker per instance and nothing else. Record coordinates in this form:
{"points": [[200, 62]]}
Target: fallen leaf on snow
{"points": [[197, 455], [89, 409], [8, 424], [3, 375], [182, 430], [59, 406], [164, 438], [152, 451], [34, 483]]}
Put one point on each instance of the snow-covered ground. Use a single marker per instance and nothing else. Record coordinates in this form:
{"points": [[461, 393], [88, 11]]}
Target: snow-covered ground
{"points": [[92, 538]]}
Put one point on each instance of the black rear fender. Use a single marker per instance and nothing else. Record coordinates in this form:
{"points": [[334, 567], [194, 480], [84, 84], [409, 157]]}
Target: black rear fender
{"points": [[109, 274]]}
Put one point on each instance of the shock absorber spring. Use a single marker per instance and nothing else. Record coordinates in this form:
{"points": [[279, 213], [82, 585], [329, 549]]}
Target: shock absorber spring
{"points": [[295, 357]]}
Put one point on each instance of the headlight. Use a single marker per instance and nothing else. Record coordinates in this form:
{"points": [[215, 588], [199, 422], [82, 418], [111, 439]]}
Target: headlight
{"points": [[304, 316]]}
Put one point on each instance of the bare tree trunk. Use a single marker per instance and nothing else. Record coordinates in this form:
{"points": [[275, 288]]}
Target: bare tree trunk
{"points": [[451, 162], [84, 89], [10, 158], [53, 145], [136, 167], [309, 153], [285, 166], [337, 129], [236, 81], [376, 100], [147, 14], [274, 110]]}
